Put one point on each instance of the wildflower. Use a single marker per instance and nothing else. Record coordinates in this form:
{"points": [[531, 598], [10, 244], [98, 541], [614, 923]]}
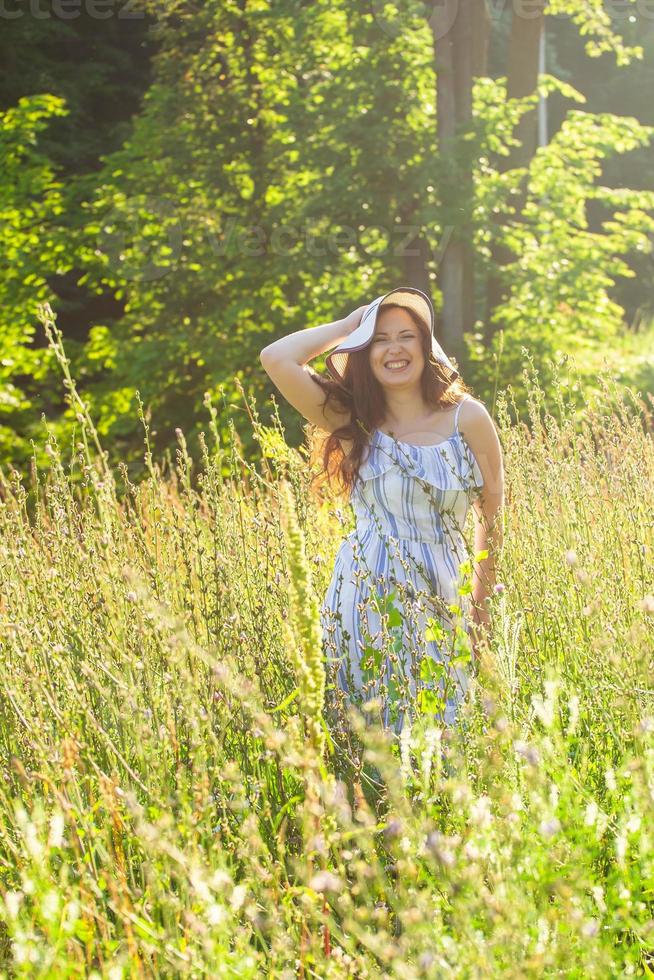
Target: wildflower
{"points": [[50, 905], [621, 846], [598, 894], [56, 835], [647, 604], [436, 843], [238, 897], [480, 811], [528, 752], [573, 716], [633, 823], [590, 928], [215, 914], [318, 844], [499, 588], [393, 828], [544, 707], [131, 597], [325, 881], [550, 827], [590, 816], [12, 900], [571, 557], [303, 633]]}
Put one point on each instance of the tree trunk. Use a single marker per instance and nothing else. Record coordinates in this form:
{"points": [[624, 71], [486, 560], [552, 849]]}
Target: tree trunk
{"points": [[416, 263], [460, 30], [522, 78]]}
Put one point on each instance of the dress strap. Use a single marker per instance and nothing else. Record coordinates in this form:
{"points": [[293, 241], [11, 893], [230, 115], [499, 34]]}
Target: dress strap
{"points": [[458, 409]]}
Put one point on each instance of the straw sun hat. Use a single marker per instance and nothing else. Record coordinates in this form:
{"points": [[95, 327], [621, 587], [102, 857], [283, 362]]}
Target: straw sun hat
{"points": [[405, 296]]}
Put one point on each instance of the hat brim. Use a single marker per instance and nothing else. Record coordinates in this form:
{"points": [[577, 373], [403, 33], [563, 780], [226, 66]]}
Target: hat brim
{"points": [[406, 296]]}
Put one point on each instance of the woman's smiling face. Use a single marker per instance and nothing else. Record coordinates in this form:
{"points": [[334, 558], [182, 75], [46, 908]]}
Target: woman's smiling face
{"points": [[396, 357]]}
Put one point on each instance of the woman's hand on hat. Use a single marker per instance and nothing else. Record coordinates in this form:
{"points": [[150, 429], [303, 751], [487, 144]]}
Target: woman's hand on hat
{"points": [[352, 321]]}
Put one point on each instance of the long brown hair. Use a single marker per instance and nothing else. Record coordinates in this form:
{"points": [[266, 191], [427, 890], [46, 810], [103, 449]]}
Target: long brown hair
{"points": [[362, 397]]}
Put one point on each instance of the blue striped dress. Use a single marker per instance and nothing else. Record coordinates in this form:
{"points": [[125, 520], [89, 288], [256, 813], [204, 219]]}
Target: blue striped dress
{"points": [[387, 630]]}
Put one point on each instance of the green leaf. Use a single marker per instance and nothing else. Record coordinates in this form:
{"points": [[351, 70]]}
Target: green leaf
{"points": [[430, 702], [431, 670], [435, 630]]}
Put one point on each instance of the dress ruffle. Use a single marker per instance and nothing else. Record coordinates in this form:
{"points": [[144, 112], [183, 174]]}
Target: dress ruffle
{"points": [[448, 464]]}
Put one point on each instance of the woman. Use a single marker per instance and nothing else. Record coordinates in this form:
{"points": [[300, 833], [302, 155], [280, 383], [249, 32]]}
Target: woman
{"points": [[414, 450]]}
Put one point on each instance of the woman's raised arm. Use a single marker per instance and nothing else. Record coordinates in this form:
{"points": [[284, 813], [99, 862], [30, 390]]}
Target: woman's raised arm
{"points": [[285, 361]]}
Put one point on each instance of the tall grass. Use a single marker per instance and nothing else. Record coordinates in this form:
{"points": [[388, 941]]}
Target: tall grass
{"points": [[179, 798]]}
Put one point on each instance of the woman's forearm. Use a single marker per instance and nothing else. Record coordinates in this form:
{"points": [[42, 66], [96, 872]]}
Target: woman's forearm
{"points": [[483, 579], [303, 345], [487, 538]]}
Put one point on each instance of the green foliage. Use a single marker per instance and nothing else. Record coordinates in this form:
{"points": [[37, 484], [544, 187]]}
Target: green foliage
{"points": [[594, 21], [279, 171], [558, 286], [32, 249], [243, 204]]}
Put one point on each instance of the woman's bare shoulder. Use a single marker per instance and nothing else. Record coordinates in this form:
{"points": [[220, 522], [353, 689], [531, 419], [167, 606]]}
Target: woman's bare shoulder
{"points": [[473, 409], [476, 424]]}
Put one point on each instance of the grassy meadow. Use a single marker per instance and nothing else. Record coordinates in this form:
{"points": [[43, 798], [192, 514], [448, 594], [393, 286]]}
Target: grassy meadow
{"points": [[179, 796]]}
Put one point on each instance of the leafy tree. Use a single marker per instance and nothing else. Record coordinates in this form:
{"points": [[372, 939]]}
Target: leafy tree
{"points": [[558, 284], [272, 174], [31, 248], [286, 165]]}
